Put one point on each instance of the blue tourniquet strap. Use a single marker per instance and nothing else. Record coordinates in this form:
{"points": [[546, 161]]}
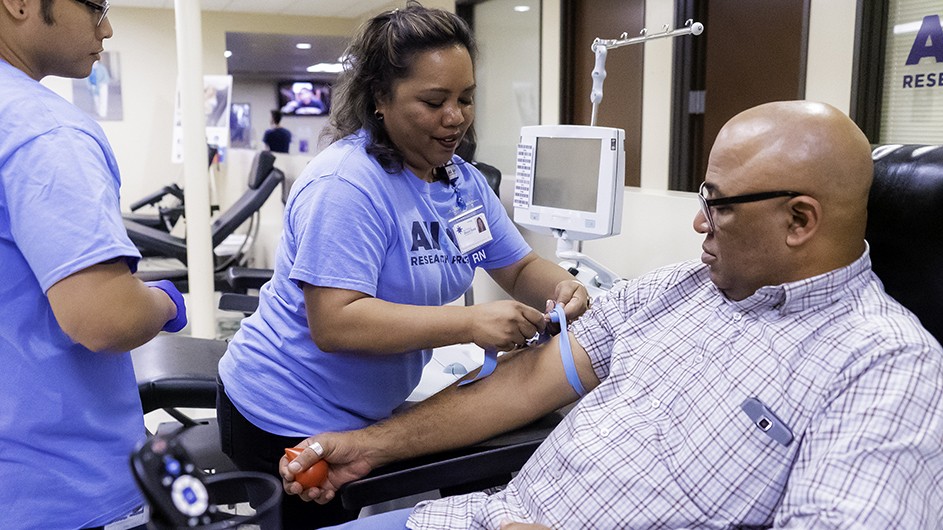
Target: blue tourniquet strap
{"points": [[491, 360], [566, 353]]}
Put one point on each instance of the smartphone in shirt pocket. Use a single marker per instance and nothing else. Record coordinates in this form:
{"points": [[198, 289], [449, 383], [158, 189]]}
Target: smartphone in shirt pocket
{"points": [[767, 421]]}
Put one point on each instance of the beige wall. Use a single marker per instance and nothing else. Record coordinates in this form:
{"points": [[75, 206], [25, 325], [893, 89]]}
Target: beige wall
{"points": [[657, 224], [145, 41], [146, 44]]}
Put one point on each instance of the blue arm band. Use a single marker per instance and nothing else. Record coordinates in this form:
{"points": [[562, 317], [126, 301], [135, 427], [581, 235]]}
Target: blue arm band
{"points": [[491, 361], [566, 353]]}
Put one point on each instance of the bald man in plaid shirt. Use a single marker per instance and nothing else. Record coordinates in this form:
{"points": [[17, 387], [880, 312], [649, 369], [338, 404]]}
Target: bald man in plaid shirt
{"points": [[770, 384]]}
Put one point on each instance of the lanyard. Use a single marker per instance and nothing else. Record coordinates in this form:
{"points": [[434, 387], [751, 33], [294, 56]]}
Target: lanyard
{"points": [[566, 354], [451, 175]]}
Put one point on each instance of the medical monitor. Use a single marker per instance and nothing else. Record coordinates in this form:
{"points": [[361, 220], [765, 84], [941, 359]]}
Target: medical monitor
{"points": [[569, 180]]}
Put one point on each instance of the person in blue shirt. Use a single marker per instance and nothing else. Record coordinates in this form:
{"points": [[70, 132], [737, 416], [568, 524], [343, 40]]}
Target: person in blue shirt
{"points": [[278, 138], [70, 414], [380, 234]]}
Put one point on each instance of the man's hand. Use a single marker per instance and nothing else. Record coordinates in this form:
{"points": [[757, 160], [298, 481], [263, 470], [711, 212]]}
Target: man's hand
{"points": [[346, 462]]}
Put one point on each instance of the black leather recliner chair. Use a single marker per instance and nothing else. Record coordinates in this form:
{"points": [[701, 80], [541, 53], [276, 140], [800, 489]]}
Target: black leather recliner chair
{"points": [[263, 179], [905, 228], [167, 215]]}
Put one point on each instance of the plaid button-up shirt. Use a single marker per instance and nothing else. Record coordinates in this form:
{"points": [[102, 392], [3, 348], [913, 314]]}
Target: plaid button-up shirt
{"points": [[662, 442]]}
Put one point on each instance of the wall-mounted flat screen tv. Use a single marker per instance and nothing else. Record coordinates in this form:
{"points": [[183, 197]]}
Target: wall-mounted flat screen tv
{"points": [[304, 98]]}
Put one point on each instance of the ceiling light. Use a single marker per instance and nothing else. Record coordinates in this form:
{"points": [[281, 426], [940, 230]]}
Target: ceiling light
{"points": [[329, 68], [522, 9], [303, 45], [227, 54]]}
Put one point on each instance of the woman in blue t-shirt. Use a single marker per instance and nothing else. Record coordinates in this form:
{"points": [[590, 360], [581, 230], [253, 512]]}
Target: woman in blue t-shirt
{"points": [[381, 232]]}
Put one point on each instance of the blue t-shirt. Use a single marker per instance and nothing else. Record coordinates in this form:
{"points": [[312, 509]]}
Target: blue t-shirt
{"points": [[69, 417], [278, 139], [351, 225]]}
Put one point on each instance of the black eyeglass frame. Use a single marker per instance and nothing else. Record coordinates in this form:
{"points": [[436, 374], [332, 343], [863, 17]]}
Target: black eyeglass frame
{"points": [[707, 204], [103, 7]]}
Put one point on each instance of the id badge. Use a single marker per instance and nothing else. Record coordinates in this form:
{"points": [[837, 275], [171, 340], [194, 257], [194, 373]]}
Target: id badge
{"points": [[471, 230]]}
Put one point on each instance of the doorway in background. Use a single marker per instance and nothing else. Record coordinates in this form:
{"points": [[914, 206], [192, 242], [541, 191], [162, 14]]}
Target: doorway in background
{"points": [[751, 53]]}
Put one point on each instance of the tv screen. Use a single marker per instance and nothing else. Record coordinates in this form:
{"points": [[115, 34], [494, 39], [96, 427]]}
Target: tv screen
{"points": [[304, 98]]}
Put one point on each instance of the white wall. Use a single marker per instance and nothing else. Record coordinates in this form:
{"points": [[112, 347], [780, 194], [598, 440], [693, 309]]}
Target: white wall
{"points": [[657, 225], [144, 39]]}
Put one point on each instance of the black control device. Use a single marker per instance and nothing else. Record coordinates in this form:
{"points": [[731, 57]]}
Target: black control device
{"points": [[174, 487]]}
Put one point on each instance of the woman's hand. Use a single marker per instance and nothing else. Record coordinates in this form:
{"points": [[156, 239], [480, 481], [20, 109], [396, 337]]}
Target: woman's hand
{"points": [[504, 325], [574, 297]]}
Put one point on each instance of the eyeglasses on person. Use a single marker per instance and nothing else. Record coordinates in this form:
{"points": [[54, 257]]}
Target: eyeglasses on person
{"points": [[707, 204], [101, 9]]}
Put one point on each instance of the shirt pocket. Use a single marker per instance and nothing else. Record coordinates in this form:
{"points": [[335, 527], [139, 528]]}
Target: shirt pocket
{"points": [[727, 467]]}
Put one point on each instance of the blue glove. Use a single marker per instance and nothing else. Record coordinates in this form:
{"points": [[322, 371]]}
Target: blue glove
{"points": [[180, 320]]}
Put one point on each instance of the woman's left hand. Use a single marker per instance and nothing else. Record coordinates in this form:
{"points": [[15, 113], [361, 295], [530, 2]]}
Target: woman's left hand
{"points": [[574, 297]]}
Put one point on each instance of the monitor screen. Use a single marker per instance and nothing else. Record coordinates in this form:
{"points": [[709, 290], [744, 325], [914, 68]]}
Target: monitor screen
{"points": [[554, 183], [304, 98], [570, 180]]}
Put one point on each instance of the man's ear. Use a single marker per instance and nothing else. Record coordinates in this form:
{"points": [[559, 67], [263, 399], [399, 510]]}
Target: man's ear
{"points": [[805, 216]]}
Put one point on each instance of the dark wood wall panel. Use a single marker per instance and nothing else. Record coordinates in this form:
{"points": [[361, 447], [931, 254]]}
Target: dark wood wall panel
{"points": [[755, 54], [621, 106]]}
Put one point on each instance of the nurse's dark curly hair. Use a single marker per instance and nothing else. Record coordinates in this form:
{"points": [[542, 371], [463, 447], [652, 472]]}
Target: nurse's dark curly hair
{"points": [[384, 51]]}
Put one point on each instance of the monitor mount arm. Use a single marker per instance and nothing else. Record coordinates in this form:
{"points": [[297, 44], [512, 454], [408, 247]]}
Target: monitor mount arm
{"points": [[569, 250], [601, 46]]}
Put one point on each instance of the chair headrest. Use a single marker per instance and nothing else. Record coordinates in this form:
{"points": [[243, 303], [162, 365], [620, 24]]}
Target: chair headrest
{"points": [[492, 175], [262, 165], [905, 228]]}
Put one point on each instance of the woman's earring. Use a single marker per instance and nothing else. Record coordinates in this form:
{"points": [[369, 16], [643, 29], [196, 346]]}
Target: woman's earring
{"points": [[378, 115]]}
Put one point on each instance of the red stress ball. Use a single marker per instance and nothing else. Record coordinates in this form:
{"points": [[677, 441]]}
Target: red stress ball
{"points": [[313, 476]]}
